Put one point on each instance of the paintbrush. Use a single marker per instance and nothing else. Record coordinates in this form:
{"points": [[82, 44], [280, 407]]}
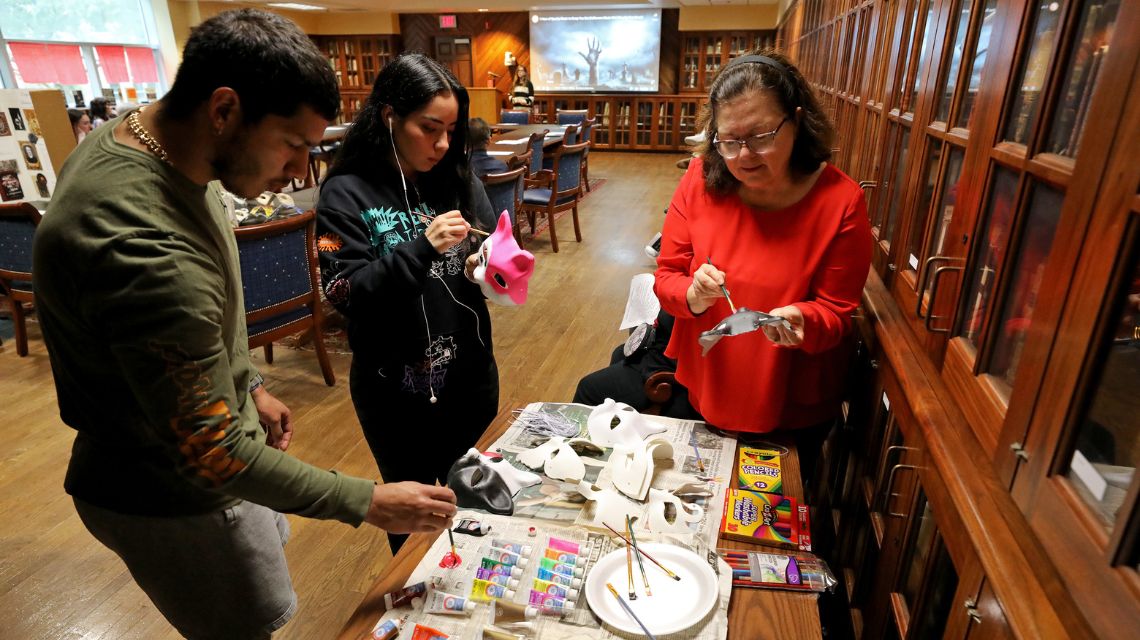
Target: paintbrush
{"points": [[630, 611], [472, 229], [723, 289], [640, 564], [639, 550]]}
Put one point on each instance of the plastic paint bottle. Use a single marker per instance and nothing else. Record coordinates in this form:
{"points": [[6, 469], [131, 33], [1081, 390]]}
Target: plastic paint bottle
{"points": [[555, 589], [387, 629], [448, 604], [514, 547], [507, 557], [482, 591], [556, 567], [427, 633], [497, 578], [564, 545], [407, 594], [494, 566], [561, 557], [565, 580], [505, 612], [549, 604]]}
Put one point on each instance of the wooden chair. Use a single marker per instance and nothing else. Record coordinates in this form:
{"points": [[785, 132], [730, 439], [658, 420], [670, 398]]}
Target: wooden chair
{"points": [[659, 390], [571, 116], [557, 189], [535, 150], [279, 276], [514, 116], [587, 131], [569, 136], [18, 224], [504, 190]]}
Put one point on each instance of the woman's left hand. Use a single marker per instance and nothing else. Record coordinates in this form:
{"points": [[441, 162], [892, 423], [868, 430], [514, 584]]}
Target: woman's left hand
{"points": [[779, 334]]}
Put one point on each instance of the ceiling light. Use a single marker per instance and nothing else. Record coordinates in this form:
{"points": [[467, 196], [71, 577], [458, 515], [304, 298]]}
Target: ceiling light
{"points": [[296, 6]]}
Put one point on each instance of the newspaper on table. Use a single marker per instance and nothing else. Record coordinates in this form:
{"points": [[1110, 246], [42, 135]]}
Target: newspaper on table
{"points": [[559, 501], [579, 624], [556, 508]]}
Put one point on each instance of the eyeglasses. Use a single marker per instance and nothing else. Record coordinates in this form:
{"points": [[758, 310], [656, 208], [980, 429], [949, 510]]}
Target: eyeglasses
{"points": [[729, 149]]}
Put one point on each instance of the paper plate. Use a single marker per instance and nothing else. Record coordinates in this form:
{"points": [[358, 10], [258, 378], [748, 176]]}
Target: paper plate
{"points": [[674, 606]]}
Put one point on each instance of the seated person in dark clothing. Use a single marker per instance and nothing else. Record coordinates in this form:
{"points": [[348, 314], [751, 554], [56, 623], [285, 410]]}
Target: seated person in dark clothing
{"points": [[624, 380], [478, 135]]}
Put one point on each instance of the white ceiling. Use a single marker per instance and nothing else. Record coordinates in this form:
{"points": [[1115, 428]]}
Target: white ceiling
{"points": [[443, 6]]}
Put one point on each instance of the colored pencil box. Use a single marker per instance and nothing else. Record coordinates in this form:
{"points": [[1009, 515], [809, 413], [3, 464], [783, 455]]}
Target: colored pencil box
{"points": [[759, 470]]}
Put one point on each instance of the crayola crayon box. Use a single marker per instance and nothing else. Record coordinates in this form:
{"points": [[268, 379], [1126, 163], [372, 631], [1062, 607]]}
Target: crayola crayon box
{"points": [[765, 518], [759, 470]]}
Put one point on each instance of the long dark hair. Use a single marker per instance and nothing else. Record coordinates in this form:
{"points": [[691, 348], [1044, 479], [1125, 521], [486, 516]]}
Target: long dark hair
{"points": [[407, 84], [814, 132]]}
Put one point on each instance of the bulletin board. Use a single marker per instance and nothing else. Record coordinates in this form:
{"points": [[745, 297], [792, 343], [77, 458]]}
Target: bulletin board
{"points": [[27, 172]]}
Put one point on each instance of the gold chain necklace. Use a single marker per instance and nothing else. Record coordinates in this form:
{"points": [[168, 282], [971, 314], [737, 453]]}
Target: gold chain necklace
{"points": [[139, 131]]}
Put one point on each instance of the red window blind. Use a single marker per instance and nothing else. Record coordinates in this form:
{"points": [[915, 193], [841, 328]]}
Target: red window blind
{"points": [[49, 63], [113, 60], [142, 64]]}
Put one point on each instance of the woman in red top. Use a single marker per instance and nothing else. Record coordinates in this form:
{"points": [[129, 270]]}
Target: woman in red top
{"points": [[788, 235]]}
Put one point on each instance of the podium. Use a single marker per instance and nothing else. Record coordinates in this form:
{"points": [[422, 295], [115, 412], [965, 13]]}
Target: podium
{"points": [[485, 103]]}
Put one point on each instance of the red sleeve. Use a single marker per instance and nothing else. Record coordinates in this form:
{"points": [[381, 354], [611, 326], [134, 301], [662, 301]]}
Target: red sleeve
{"points": [[837, 286], [672, 278]]}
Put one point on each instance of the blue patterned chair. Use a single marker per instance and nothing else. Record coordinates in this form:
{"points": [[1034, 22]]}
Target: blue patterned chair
{"points": [[512, 116], [569, 136], [18, 224], [587, 131], [571, 116], [504, 190], [556, 190], [535, 145], [279, 278]]}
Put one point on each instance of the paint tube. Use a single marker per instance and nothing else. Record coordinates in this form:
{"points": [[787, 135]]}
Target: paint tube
{"points": [[505, 612], [497, 578], [556, 590], [491, 633], [448, 604], [565, 580], [561, 557], [564, 545], [514, 547], [549, 604], [387, 629], [482, 591], [427, 633], [407, 594], [565, 569], [495, 566], [506, 557]]}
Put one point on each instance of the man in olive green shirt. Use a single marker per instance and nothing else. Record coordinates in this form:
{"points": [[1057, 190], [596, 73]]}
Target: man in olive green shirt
{"points": [[140, 298]]}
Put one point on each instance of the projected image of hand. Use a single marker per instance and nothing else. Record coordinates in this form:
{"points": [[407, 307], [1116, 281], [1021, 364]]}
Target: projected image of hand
{"points": [[595, 46]]}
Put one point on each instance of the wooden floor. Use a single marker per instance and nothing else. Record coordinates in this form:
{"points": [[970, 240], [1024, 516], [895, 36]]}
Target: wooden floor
{"points": [[57, 582]]}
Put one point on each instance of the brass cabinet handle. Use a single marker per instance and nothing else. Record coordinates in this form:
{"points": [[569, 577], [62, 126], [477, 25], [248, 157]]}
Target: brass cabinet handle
{"points": [[922, 282], [934, 280], [890, 485]]}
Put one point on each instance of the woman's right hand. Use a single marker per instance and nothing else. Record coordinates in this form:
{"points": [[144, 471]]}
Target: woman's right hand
{"points": [[447, 230], [705, 288]]}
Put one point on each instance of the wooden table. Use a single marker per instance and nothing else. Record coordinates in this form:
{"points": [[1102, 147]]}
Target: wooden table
{"points": [[753, 614], [522, 132]]}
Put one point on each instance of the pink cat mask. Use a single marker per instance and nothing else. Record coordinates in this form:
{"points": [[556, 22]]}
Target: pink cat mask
{"points": [[504, 268]]}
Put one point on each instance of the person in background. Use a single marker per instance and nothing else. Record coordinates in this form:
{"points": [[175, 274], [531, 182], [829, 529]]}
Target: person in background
{"points": [[179, 464], [100, 112], [522, 91], [80, 123], [478, 136], [788, 235], [394, 219]]}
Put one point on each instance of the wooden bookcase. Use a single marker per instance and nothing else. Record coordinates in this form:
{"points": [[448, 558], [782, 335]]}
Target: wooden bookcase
{"points": [[356, 61], [703, 53], [996, 142], [631, 122]]}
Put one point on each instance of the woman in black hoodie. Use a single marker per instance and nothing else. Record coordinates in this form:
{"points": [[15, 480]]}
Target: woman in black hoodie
{"points": [[394, 223]]}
